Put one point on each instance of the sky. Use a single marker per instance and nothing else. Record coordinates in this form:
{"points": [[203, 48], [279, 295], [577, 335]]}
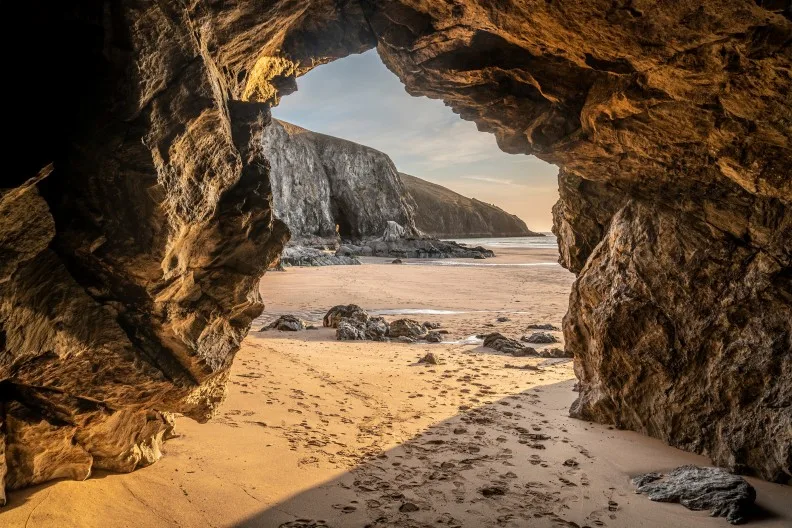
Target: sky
{"points": [[359, 99]]}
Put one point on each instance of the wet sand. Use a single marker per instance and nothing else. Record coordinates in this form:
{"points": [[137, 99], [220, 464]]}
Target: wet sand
{"points": [[316, 431]]}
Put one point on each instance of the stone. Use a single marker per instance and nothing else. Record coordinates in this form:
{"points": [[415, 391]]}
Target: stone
{"points": [[433, 337], [344, 311], [501, 343], [701, 488], [546, 326], [408, 507], [540, 338], [295, 255], [396, 261], [393, 232], [430, 359], [407, 328], [431, 325], [502, 319], [376, 329], [347, 331], [285, 323], [555, 353]]}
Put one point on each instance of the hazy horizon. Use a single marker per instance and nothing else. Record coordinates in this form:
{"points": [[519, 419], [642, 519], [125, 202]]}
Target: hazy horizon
{"points": [[359, 99]]}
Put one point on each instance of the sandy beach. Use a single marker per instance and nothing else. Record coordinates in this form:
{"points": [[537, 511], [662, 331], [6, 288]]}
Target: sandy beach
{"points": [[316, 432]]}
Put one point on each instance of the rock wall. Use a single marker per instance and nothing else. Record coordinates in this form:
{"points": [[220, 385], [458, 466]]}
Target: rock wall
{"points": [[127, 292], [320, 182], [442, 213]]}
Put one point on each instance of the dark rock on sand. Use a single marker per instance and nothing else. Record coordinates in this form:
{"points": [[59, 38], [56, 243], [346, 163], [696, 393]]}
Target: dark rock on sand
{"points": [[344, 311], [376, 329], [407, 328], [311, 257], [346, 330], [397, 261], [503, 319], [501, 343], [556, 352], [430, 359], [546, 326], [701, 488], [286, 323], [431, 326], [540, 338], [433, 337]]}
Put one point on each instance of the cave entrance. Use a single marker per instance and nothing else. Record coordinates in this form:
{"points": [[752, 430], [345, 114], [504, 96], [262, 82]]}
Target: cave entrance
{"points": [[343, 225], [417, 199]]}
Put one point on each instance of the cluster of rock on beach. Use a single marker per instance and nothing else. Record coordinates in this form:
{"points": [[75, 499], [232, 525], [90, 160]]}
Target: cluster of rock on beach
{"points": [[353, 323]]}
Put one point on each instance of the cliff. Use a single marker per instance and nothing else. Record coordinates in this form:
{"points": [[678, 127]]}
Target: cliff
{"points": [[320, 182], [131, 273], [442, 213]]}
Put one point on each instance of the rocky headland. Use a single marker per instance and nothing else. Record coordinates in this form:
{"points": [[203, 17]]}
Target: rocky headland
{"points": [[334, 193], [442, 213]]}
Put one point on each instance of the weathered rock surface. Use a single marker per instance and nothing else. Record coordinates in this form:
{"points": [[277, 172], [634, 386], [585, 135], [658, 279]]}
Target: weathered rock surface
{"points": [[407, 328], [294, 255], [325, 186], [501, 343], [286, 323], [442, 213], [347, 330], [136, 274], [412, 248], [340, 312], [701, 488], [540, 338]]}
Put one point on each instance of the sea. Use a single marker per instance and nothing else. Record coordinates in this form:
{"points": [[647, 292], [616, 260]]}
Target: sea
{"points": [[546, 242]]}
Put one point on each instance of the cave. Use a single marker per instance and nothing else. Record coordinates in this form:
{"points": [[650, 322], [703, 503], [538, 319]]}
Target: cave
{"points": [[129, 272], [343, 224]]}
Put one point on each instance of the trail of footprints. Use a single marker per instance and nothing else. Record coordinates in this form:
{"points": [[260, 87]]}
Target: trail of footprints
{"points": [[431, 480]]}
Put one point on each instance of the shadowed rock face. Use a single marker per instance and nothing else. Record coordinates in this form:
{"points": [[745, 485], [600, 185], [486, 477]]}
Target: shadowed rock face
{"points": [[127, 292]]}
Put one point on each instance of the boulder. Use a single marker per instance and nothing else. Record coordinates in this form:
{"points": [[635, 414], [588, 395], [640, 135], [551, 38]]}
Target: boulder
{"points": [[556, 353], [433, 337], [430, 359], [376, 329], [346, 330], [344, 311], [501, 343], [546, 326], [286, 323], [407, 328], [701, 488], [540, 338], [393, 232]]}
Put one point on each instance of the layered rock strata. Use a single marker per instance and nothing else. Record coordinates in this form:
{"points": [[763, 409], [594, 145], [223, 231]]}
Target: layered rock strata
{"points": [[127, 292]]}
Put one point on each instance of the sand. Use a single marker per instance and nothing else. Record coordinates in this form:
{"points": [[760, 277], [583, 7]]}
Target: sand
{"points": [[360, 434]]}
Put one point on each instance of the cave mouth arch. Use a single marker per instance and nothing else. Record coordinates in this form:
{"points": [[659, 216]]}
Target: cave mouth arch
{"points": [[675, 197]]}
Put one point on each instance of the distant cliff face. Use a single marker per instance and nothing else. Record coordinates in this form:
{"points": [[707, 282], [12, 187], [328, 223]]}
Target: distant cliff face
{"points": [[320, 182], [441, 212]]}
